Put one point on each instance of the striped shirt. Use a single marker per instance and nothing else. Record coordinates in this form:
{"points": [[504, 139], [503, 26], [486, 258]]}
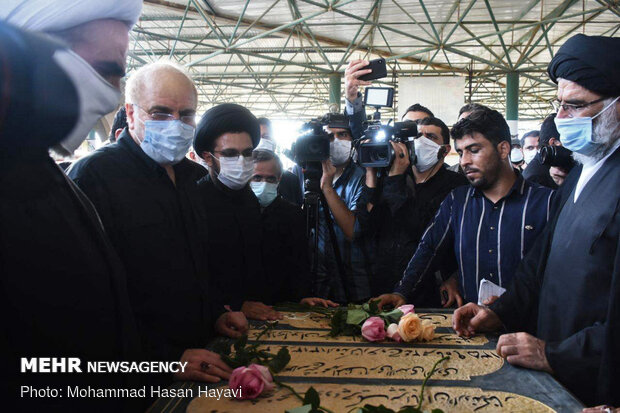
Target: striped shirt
{"points": [[483, 239]]}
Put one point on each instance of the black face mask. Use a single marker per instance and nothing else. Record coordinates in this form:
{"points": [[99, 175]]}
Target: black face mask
{"points": [[38, 103]]}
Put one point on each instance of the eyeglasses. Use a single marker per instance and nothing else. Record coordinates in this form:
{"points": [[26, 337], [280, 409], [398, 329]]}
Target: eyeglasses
{"points": [[570, 108], [233, 153], [188, 119]]}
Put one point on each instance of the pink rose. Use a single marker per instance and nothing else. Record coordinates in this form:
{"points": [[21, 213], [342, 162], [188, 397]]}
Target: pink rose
{"points": [[407, 308], [392, 332], [252, 380], [373, 329]]}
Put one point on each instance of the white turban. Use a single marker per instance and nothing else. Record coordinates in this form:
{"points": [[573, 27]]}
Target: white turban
{"points": [[55, 15]]}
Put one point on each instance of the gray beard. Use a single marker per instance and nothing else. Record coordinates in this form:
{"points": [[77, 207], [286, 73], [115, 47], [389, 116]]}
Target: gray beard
{"points": [[606, 132]]}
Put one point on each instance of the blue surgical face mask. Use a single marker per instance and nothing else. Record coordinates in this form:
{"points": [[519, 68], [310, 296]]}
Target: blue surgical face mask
{"points": [[265, 192], [576, 133], [167, 141]]}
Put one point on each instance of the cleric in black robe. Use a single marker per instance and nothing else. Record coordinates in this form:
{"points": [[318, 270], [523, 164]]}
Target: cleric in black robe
{"points": [[562, 292], [62, 288], [225, 138]]}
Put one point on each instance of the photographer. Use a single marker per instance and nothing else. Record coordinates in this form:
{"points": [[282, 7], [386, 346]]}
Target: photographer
{"points": [[341, 185], [399, 210], [401, 207]]}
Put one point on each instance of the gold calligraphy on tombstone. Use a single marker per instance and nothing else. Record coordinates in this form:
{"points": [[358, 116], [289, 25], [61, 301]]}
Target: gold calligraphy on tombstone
{"points": [[322, 336], [375, 362], [342, 398]]}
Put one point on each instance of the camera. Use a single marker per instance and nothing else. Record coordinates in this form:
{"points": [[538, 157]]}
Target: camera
{"points": [[559, 156], [377, 151], [312, 145]]}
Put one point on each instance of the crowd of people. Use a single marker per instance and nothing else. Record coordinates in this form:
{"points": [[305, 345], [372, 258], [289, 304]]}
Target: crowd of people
{"points": [[180, 230]]}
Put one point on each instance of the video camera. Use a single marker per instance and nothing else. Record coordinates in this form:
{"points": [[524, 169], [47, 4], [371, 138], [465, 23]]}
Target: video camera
{"points": [[559, 156], [376, 151], [312, 145]]}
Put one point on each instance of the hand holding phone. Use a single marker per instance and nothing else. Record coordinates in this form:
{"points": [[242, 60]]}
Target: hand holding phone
{"points": [[354, 70], [378, 70]]}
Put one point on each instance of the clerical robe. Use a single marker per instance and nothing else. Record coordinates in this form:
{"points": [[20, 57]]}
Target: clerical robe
{"points": [[561, 292]]}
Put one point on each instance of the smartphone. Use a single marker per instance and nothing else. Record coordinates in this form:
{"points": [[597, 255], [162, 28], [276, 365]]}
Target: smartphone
{"points": [[379, 70]]}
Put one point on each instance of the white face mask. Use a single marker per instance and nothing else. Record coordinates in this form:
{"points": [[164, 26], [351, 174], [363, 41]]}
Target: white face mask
{"points": [[339, 151], [529, 155], [236, 171], [426, 152], [166, 141], [516, 155], [96, 96], [265, 192]]}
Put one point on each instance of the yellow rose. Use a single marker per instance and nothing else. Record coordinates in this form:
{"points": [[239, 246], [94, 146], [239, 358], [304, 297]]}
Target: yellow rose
{"points": [[428, 331], [410, 327]]}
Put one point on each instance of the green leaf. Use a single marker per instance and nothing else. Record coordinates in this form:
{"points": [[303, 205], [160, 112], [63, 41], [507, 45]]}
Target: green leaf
{"points": [[391, 316], [302, 409], [437, 411], [222, 347], [374, 307], [279, 362], [357, 317], [338, 322], [312, 398], [368, 408], [240, 343], [231, 362], [410, 409]]}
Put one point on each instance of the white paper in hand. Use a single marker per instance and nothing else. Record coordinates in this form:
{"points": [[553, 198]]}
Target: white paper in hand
{"points": [[487, 290]]}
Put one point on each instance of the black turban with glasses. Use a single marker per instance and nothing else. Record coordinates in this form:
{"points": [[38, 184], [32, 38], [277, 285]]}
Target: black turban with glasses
{"points": [[590, 61], [221, 119]]}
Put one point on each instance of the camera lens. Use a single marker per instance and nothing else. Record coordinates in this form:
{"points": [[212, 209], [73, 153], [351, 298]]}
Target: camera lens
{"points": [[379, 154]]}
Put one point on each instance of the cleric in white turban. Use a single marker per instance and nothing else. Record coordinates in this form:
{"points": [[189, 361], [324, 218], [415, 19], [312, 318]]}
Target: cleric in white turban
{"points": [[62, 287], [57, 15]]}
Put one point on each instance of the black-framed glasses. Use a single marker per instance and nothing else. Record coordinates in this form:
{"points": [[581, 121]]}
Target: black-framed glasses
{"points": [[188, 119], [233, 153], [572, 108]]}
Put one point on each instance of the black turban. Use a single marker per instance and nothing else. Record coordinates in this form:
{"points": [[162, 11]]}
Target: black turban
{"points": [[590, 61], [221, 119]]}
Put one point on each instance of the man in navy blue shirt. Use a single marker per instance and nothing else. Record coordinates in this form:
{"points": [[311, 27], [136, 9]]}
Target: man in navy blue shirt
{"points": [[483, 229]]}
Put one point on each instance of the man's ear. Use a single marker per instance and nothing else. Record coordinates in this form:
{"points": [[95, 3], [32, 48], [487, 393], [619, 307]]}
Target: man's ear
{"points": [[131, 120], [504, 148], [208, 158], [554, 142], [444, 151]]}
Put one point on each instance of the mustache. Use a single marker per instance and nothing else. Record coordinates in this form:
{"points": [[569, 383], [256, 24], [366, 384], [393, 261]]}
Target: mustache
{"points": [[467, 170]]}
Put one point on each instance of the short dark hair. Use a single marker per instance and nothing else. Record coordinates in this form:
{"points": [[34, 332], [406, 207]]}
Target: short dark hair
{"points": [[470, 107], [265, 156], [264, 121], [445, 131], [416, 107], [488, 122], [530, 134], [548, 130], [120, 122]]}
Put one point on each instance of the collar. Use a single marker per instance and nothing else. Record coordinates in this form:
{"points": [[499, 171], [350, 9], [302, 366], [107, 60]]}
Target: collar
{"points": [[126, 142], [343, 179]]}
